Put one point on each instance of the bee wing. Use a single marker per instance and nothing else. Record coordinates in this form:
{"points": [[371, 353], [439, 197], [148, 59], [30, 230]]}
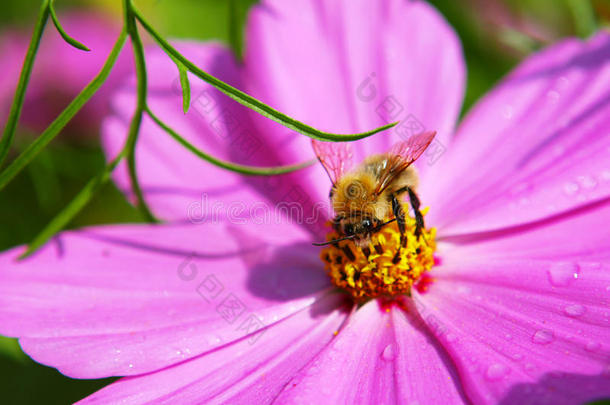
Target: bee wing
{"points": [[412, 148], [336, 157], [402, 155]]}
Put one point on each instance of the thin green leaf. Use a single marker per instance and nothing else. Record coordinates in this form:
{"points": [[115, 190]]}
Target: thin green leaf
{"points": [[234, 29], [60, 122], [24, 78], [62, 32], [184, 83], [583, 16], [74, 207], [250, 101], [243, 169], [136, 121]]}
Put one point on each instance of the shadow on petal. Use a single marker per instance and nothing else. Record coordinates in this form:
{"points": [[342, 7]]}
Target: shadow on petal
{"points": [[286, 274], [560, 388]]}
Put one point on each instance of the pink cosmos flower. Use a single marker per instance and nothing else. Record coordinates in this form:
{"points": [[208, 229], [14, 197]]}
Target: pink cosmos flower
{"points": [[226, 304], [61, 71]]}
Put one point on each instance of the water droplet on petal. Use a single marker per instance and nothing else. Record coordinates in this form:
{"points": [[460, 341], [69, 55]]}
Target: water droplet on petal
{"points": [[517, 357], [130, 365], [496, 371], [592, 346], [463, 290], [570, 188], [313, 370], [389, 353], [587, 182], [543, 337], [553, 96], [574, 310], [563, 82], [562, 274]]}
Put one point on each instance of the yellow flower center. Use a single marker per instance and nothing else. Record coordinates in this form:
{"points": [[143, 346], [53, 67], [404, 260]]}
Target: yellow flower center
{"points": [[377, 270]]}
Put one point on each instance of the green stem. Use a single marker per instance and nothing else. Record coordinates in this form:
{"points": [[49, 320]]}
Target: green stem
{"points": [[234, 30], [242, 169], [24, 78], [136, 121], [66, 115], [62, 32], [250, 101], [583, 16]]}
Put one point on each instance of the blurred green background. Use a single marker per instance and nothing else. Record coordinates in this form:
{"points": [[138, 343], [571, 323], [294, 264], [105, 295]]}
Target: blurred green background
{"points": [[495, 35]]}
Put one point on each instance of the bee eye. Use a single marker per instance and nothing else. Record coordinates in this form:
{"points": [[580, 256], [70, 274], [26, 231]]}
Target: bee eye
{"points": [[349, 229], [366, 223]]}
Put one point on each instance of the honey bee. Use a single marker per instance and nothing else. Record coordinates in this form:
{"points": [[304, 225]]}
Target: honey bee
{"points": [[367, 197]]}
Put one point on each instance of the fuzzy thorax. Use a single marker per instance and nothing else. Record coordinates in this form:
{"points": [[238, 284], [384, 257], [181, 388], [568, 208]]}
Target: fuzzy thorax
{"points": [[376, 271]]}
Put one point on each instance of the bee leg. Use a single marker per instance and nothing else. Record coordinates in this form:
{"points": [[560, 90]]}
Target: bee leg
{"points": [[419, 218], [399, 214]]}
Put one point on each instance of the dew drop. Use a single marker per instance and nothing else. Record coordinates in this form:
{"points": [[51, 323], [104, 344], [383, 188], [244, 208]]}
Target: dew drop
{"points": [[130, 365], [553, 96], [570, 188], [517, 357], [463, 290], [313, 370], [574, 310], [587, 182], [592, 346], [496, 371], [389, 353], [562, 274], [543, 337]]}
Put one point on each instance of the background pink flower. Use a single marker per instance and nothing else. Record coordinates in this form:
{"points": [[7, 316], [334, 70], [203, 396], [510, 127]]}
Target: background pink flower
{"points": [[518, 311], [61, 71]]}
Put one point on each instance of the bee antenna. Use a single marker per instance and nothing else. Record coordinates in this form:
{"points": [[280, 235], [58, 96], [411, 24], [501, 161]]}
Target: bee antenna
{"points": [[378, 227], [334, 241]]}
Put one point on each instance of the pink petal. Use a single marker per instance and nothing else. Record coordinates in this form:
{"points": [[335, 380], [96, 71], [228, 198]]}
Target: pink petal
{"points": [[535, 147], [379, 357], [127, 300], [248, 371], [580, 235], [349, 66], [523, 331]]}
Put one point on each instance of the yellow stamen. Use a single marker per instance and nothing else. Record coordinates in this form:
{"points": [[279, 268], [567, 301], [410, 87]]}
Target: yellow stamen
{"points": [[376, 271]]}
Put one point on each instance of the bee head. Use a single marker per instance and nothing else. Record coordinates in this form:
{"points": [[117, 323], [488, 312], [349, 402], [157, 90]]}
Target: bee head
{"points": [[358, 225]]}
